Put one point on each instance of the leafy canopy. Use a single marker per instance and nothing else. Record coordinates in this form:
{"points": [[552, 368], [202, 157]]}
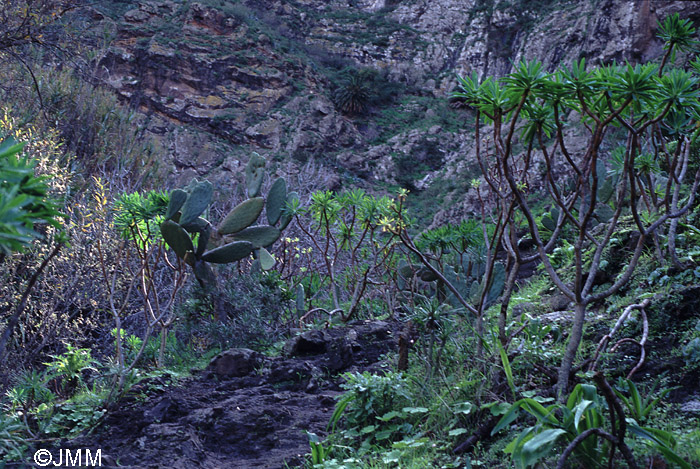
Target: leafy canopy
{"points": [[24, 200]]}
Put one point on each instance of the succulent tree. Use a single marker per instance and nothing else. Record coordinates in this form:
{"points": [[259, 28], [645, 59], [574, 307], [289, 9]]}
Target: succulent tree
{"points": [[190, 235], [656, 110]]}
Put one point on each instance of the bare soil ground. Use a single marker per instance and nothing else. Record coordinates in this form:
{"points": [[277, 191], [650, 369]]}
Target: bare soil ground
{"points": [[245, 410]]}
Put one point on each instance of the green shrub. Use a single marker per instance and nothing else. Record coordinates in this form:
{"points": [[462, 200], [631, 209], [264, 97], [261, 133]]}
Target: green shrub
{"points": [[368, 400], [24, 200]]}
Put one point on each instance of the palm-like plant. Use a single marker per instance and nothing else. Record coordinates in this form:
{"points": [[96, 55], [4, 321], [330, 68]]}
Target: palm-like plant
{"points": [[354, 94]]}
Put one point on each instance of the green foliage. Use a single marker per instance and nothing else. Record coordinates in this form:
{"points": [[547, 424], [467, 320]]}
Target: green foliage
{"points": [[137, 216], [184, 225], [13, 442], [560, 423], [354, 94], [367, 398], [70, 418], [358, 89], [351, 248], [674, 31], [638, 407], [29, 391], [41, 413], [691, 352], [70, 366], [459, 253], [318, 450], [375, 413], [646, 182], [24, 200]]}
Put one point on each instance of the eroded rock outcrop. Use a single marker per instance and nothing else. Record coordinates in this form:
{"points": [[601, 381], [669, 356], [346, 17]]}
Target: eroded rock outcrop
{"points": [[261, 75]]}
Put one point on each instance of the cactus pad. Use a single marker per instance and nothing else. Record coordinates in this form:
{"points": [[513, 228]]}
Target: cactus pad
{"points": [[231, 252], [259, 235], [267, 262], [177, 238], [198, 200], [604, 213], [276, 198], [286, 216], [177, 200], [242, 216], [254, 172]]}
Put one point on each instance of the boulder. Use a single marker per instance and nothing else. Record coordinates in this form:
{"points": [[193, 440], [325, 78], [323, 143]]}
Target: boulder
{"points": [[235, 363], [308, 343]]}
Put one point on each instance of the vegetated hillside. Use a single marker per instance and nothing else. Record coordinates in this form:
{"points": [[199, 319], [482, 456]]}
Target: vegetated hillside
{"points": [[497, 334], [361, 87]]}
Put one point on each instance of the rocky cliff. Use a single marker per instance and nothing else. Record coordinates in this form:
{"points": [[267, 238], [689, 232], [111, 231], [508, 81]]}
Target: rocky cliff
{"points": [[218, 79]]}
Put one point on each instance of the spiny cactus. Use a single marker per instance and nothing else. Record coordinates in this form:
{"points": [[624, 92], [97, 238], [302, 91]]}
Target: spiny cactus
{"points": [[606, 189], [254, 172], [468, 278], [184, 225], [276, 198], [494, 287], [300, 300], [242, 216], [549, 221], [604, 213]]}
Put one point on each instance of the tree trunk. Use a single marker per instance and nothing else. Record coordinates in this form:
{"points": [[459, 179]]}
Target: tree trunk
{"points": [[571, 349]]}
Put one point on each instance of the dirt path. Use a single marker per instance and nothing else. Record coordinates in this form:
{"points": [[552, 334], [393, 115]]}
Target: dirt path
{"points": [[245, 410]]}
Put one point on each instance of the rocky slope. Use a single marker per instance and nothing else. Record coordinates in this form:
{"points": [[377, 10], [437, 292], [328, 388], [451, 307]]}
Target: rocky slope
{"points": [[245, 411], [219, 79]]}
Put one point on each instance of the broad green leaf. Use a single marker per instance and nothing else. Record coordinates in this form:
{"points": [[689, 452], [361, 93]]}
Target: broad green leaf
{"points": [[389, 415], [580, 409], [465, 408], [656, 435], [538, 410], [391, 457], [457, 431], [508, 417], [367, 429], [540, 446], [415, 410], [672, 456]]}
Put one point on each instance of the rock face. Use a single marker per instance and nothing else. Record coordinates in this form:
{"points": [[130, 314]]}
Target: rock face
{"points": [[262, 75]]}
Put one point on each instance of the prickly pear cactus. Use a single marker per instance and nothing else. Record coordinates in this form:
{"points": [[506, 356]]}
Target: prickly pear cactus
{"points": [[276, 198], [300, 300], [254, 172], [549, 221], [184, 223], [468, 279]]}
